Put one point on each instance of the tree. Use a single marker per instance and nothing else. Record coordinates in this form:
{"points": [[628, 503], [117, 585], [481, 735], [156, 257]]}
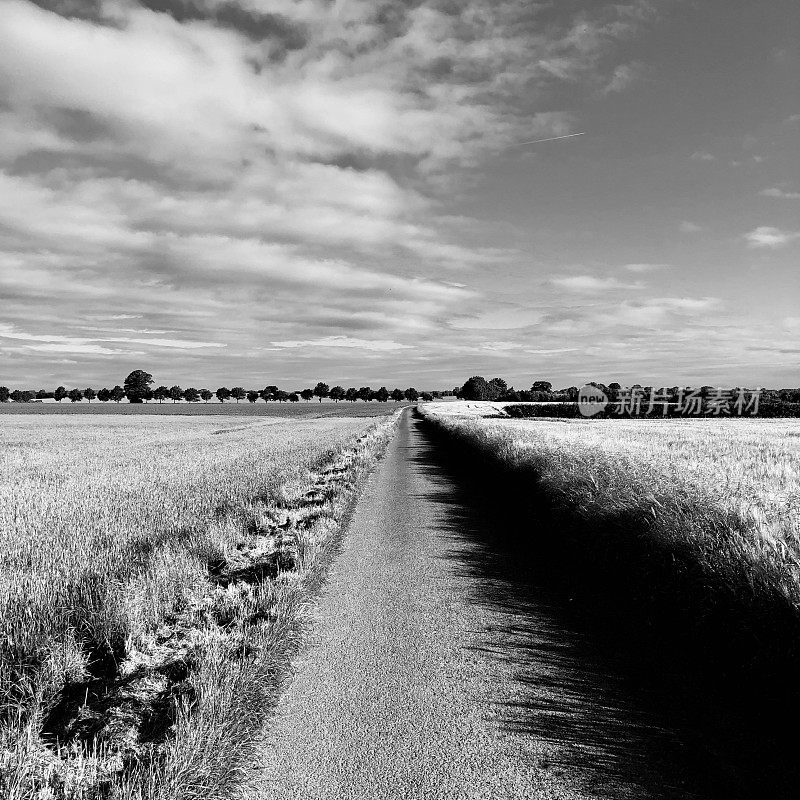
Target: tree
{"points": [[337, 393], [476, 388], [397, 395], [191, 395], [351, 394], [104, 395], [426, 397], [382, 395], [60, 393], [137, 384], [281, 396], [41, 394], [75, 395], [412, 395], [269, 392], [497, 388], [365, 394], [223, 393], [321, 390], [542, 386], [176, 393], [238, 393], [4, 394], [307, 394], [294, 397], [89, 394], [161, 393], [252, 396], [117, 393]]}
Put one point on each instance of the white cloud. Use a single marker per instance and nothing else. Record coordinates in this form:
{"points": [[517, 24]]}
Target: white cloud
{"points": [[767, 236], [779, 193], [702, 155], [591, 283], [623, 77], [346, 342], [689, 227], [642, 268]]}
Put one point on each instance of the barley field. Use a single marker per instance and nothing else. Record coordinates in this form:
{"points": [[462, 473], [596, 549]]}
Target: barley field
{"points": [[145, 563], [722, 494]]}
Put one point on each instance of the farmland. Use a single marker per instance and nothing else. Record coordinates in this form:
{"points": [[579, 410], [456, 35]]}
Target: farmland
{"points": [[154, 572], [684, 532]]}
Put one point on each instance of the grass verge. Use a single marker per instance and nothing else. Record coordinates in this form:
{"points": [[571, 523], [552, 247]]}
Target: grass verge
{"points": [[684, 563], [164, 700]]}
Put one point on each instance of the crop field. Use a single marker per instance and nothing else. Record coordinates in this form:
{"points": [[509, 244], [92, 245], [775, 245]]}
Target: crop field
{"points": [[153, 575], [717, 500], [301, 410]]}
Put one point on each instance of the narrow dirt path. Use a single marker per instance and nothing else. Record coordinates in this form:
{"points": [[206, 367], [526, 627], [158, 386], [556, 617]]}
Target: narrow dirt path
{"points": [[440, 668]]}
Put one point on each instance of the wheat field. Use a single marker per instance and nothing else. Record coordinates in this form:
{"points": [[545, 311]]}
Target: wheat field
{"points": [[724, 491], [124, 546]]}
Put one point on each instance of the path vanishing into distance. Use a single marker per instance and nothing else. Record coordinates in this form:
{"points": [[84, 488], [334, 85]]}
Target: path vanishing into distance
{"points": [[439, 666]]}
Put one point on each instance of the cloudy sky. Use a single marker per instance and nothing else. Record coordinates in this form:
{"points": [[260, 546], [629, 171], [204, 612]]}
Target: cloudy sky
{"points": [[280, 191]]}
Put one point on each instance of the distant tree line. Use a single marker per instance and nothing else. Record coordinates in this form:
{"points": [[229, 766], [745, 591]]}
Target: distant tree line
{"points": [[138, 388], [772, 401]]}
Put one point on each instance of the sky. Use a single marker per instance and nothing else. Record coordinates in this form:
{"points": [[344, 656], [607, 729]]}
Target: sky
{"points": [[264, 192]]}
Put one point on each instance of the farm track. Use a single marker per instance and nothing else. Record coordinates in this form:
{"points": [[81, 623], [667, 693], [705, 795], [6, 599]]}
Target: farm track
{"points": [[130, 708], [442, 667]]}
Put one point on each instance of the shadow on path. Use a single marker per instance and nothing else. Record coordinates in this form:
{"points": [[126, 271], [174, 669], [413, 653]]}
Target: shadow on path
{"points": [[621, 721]]}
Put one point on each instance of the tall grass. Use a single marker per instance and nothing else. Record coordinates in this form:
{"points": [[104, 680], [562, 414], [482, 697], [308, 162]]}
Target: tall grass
{"points": [[153, 573], [686, 531]]}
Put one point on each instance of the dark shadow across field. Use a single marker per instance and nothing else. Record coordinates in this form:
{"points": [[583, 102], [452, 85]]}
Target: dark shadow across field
{"points": [[620, 711]]}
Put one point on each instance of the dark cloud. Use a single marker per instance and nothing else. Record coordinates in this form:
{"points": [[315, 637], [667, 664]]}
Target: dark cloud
{"points": [[255, 25]]}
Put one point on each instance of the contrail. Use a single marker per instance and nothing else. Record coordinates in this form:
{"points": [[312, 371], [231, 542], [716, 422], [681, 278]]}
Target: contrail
{"points": [[551, 139]]}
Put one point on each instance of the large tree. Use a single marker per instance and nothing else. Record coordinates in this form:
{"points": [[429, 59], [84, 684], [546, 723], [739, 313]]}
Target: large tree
{"points": [[4, 394], [382, 394], [365, 393], [497, 388], [351, 394], [411, 394], [60, 393], [223, 393], [307, 394], [281, 396], [89, 394], [103, 395], [161, 393], [238, 393], [252, 396], [294, 397], [321, 390], [75, 395], [191, 395], [476, 388], [397, 395], [137, 385], [337, 393], [117, 393], [175, 393]]}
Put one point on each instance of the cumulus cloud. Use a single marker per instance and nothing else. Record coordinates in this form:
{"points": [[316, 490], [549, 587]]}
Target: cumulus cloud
{"points": [[769, 237], [689, 227], [702, 155], [236, 172]]}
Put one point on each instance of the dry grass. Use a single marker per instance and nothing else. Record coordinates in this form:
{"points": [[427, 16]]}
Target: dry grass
{"points": [[154, 571]]}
